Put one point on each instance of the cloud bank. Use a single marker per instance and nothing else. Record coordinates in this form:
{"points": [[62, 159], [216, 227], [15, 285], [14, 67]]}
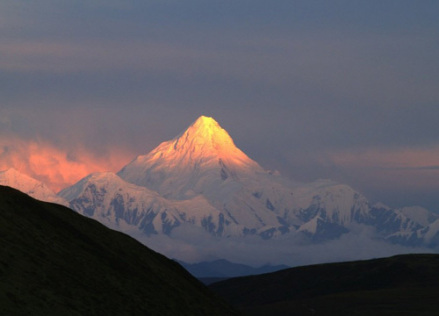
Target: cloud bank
{"points": [[53, 166], [291, 249]]}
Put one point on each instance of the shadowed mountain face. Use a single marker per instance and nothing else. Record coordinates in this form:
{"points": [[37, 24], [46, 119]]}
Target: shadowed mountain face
{"points": [[54, 261], [400, 285]]}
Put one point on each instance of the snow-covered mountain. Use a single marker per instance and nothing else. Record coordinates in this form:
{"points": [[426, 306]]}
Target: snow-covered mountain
{"points": [[204, 162], [200, 160], [201, 181], [30, 186], [198, 197], [122, 205]]}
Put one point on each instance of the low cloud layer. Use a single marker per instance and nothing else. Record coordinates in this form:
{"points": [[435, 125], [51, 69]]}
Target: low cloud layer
{"points": [[291, 249]]}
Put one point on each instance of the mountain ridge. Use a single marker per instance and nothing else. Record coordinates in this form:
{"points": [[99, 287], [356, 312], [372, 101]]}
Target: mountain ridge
{"points": [[222, 268], [203, 149], [198, 194], [13, 178]]}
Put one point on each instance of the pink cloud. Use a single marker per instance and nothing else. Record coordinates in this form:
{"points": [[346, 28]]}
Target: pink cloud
{"points": [[54, 166]]}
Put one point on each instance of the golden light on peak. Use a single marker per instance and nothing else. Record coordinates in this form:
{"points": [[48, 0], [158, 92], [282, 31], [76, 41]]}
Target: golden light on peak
{"points": [[204, 141], [205, 132]]}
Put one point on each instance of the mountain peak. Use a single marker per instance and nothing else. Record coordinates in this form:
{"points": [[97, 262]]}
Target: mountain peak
{"points": [[207, 124], [12, 175], [13, 178], [204, 143], [204, 136], [206, 120], [207, 127], [204, 149], [10, 171]]}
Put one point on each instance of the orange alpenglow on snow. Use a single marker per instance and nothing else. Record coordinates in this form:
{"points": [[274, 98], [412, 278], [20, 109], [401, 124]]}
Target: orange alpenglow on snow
{"points": [[204, 142], [204, 148], [206, 138]]}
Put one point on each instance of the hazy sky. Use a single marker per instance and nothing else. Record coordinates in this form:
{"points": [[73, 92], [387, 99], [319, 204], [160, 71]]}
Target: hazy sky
{"points": [[347, 90]]}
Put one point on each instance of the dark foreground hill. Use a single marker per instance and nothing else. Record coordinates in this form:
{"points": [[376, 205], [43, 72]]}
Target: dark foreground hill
{"points": [[209, 272], [222, 268], [400, 285], [54, 261]]}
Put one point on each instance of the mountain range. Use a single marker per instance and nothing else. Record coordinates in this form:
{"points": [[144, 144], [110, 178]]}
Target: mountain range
{"points": [[198, 197]]}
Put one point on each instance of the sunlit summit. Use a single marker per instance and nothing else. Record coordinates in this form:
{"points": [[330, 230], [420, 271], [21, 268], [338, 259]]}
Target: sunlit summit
{"points": [[192, 195], [203, 149]]}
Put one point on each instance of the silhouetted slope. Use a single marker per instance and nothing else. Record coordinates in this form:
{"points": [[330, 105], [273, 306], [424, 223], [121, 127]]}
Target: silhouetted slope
{"points": [[54, 261], [225, 269], [406, 285]]}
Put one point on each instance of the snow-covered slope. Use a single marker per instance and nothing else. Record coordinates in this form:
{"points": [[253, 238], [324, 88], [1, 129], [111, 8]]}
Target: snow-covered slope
{"points": [[201, 182], [419, 214], [201, 178], [202, 159], [121, 205], [30, 186]]}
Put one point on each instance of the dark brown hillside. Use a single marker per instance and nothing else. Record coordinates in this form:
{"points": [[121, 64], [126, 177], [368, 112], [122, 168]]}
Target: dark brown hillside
{"points": [[399, 285], [56, 262]]}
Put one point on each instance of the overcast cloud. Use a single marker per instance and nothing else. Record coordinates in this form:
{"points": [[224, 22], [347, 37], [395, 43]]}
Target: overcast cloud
{"points": [[346, 90]]}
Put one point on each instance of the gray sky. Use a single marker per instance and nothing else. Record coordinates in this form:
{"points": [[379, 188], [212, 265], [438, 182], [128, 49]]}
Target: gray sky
{"points": [[347, 90]]}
